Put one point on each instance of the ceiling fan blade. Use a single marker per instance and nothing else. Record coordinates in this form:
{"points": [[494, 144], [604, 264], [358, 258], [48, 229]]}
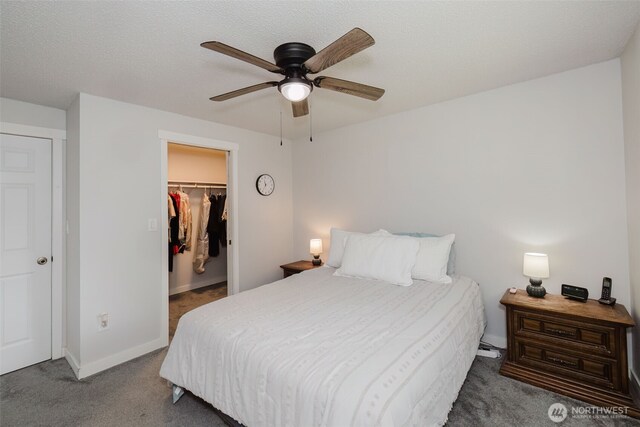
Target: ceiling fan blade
{"points": [[243, 91], [350, 88], [300, 108], [243, 56], [351, 43]]}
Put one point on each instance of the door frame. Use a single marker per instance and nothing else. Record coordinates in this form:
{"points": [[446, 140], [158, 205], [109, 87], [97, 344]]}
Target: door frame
{"points": [[58, 138], [233, 258]]}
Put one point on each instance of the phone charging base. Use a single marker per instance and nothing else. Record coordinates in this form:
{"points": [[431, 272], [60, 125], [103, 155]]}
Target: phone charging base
{"points": [[610, 301]]}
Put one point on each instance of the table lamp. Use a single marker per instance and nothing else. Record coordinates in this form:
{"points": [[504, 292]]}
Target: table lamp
{"points": [[536, 267], [315, 248]]}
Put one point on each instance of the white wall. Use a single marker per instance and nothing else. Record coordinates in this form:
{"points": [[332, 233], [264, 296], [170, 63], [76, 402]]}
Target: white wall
{"points": [[73, 301], [631, 110], [536, 166], [186, 163], [24, 113], [119, 177]]}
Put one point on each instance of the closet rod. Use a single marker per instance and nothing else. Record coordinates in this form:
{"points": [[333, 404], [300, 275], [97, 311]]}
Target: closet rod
{"points": [[196, 184]]}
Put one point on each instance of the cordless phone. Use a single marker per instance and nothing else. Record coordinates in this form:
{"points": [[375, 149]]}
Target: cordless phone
{"points": [[606, 292]]}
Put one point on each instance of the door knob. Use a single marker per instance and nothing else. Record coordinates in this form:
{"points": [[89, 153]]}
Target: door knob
{"points": [[42, 260]]}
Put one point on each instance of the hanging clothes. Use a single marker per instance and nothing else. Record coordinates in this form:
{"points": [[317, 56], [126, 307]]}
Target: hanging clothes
{"points": [[174, 241], [225, 212], [213, 227], [185, 230], [171, 212], [202, 239], [222, 221]]}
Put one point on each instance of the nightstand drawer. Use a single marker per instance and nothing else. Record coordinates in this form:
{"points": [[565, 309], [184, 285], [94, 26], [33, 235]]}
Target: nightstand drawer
{"points": [[586, 368], [579, 336]]}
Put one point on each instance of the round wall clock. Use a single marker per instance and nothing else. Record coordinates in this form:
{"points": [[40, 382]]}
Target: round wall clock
{"points": [[265, 184]]}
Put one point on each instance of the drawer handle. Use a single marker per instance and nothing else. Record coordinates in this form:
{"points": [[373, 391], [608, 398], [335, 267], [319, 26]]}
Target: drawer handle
{"points": [[561, 332], [562, 362]]}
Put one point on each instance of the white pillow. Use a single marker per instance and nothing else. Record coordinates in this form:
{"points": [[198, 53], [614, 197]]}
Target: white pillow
{"points": [[338, 241], [379, 257], [432, 259]]}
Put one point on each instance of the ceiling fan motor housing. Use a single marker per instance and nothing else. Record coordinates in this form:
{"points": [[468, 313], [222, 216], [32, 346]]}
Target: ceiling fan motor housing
{"points": [[291, 56]]}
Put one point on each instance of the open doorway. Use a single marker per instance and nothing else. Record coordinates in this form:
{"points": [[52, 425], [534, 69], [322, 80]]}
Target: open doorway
{"points": [[197, 216], [199, 222]]}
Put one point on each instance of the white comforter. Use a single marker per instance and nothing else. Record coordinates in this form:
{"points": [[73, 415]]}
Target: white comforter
{"points": [[319, 350]]}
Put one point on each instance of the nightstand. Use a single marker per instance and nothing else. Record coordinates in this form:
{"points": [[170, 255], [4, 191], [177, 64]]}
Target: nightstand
{"points": [[574, 348], [297, 267]]}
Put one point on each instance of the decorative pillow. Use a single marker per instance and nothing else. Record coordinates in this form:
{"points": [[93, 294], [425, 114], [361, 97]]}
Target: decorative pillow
{"points": [[379, 257], [432, 258], [338, 241], [451, 265]]}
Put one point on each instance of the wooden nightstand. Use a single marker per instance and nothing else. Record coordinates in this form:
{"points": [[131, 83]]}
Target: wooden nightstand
{"points": [[570, 347], [297, 267]]}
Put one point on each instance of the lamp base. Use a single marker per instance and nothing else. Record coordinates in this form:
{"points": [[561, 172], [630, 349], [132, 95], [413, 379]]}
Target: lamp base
{"points": [[535, 288], [316, 260]]}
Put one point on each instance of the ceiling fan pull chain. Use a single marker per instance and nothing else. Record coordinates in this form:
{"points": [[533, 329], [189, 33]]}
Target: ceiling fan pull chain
{"points": [[281, 127], [310, 124]]}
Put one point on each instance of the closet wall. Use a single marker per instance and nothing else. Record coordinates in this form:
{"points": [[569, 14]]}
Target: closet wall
{"points": [[186, 163]]}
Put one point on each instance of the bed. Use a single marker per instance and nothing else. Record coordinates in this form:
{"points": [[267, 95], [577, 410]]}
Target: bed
{"points": [[316, 349]]}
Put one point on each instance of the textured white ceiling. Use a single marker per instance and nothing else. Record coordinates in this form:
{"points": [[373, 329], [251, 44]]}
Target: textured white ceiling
{"points": [[148, 53]]}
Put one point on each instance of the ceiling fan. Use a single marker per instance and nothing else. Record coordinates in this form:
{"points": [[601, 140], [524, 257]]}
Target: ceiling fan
{"points": [[295, 60]]}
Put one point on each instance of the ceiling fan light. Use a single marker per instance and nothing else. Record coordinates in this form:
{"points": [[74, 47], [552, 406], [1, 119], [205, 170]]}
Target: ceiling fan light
{"points": [[295, 91]]}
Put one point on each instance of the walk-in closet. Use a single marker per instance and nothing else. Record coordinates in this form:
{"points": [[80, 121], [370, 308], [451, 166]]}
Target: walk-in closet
{"points": [[197, 213]]}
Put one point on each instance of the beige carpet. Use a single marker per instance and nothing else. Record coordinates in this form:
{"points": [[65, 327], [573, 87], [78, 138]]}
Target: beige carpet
{"points": [[184, 302]]}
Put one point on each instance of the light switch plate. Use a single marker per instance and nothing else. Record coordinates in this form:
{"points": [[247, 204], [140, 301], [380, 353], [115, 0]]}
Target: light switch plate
{"points": [[152, 224]]}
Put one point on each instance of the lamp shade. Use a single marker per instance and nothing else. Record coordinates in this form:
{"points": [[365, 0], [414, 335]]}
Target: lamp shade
{"points": [[535, 265], [315, 246]]}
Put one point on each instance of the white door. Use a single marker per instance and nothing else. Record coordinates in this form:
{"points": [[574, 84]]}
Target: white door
{"points": [[25, 251]]}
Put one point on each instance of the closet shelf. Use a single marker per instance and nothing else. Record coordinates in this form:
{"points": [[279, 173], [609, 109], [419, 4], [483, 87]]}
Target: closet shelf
{"points": [[196, 184]]}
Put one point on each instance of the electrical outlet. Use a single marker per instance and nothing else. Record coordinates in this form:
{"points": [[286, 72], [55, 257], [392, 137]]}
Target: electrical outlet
{"points": [[103, 321]]}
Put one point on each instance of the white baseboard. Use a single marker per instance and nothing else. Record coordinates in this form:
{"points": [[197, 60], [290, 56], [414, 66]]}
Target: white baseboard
{"points": [[500, 342], [634, 387], [92, 368], [192, 286], [72, 361], [86, 370]]}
